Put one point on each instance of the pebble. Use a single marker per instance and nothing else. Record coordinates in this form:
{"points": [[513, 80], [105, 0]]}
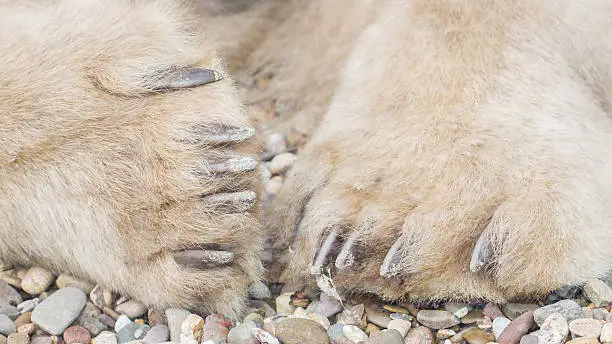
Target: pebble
{"points": [[76, 334], [601, 314], [216, 327], [301, 331], [457, 309], [156, 317], [283, 304], [36, 280], [492, 311], [264, 337], [275, 144], [568, 308], [583, 340], [175, 317], [121, 322], [67, 280], [395, 309], [105, 337], [10, 311], [281, 163], [59, 310], [28, 305], [17, 338], [6, 325], [157, 334], [378, 318], [23, 319], [89, 319], [517, 328], [499, 325], [132, 309], [335, 331], [585, 328], [192, 329], [472, 317], [241, 332], [598, 292], [354, 333], [327, 308], [606, 333], [321, 320], [28, 329], [419, 335], [2, 339], [402, 326], [132, 331], [259, 291], [256, 318], [445, 333], [478, 336], [514, 310], [353, 315], [437, 319], [386, 337], [587, 313], [101, 297], [485, 323], [554, 330], [41, 340], [9, 295]]}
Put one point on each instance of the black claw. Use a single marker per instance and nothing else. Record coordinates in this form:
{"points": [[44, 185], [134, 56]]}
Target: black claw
{"points": [[203, 259], [187, 77]]}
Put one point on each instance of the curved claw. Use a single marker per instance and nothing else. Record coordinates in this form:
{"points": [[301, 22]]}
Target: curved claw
{"points": [[188, 77], [482, 254], [234, 165], [391, 265], [326, 246], [346, 257], [229, 135], [235, 202], [203, 259]]}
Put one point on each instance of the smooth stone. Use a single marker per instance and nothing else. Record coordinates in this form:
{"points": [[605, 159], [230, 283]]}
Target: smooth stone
{"points": [[458, 309], [23, 319], [437, 319], [156, 317], [585, 328], [472, 317], [327, 308], [76, 334], [583, 340], [321, 320], [378, 318], [28, 305], [568, 308], [587, 313], [105, 337], [2, 339], [157, 334], [301, 331], [514, 310], [485, 323], [121, 322], [402, 326], [263, 337], [275, 144], [241, 333], [216, 328], [283, 304], [36, 280], [554, 330], [59, 310], [192, 329], [601, 314], [260, 305], [132, 309], [492, 311], [335, 331], [419, 335], [281, 163], [67, 280], [259, 291], [606, 333], [353, 316], [131, 332], [41, 340], [517, 328], [445, 333], [478, 336], [254, 317], [7, 326], [18, 338], [354, 333], [10, 311], [389, 336], [499, 325], [9, 295], [89, 318], [598, 292], [529, 339], [28, 329], [175, 317]]}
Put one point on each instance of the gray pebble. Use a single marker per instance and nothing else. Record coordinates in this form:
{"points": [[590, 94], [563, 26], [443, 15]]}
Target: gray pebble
{"points": [[7, 326], [259, 291], [156, 317], [499, 325], [42, 340], [554, 330], [131, 331], [568, 308], [598, 292], [121, 322], [157, 334], [458, 309], [378, 318], [9, 295], [89, 319], [386, 337], [241, 333], [437, 319], [28, 305], [590, 328], [10, 311], [335, 331], [18, 338], [59, 310], [175, 317], [327, 308], [601, 314], [106, 337], [132, 309]]}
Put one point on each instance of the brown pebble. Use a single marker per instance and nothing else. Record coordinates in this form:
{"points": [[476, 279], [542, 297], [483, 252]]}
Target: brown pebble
{"points": [[23, 319], [76, 334], [519, 327], [301, 331], [583, 340], [492, 311], [106, 320], [157, 316], [478, 336], [17, 338], [419, 335], [28, 329]]}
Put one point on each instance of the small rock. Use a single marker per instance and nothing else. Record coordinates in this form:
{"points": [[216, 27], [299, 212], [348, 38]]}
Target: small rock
{"points": [[499, 325], [353, 316], [121, 322], [59, 310], [301, 331], [76, 334], [192, 329], [554, 330], [402, 326], [259, 291], [458, 309], [445, 333], [275, 144], [256, 318], [321, 320], [529, 339], [264, 337], [261, 306], [2, 338], [101, 297], [175, 317], [156, 317], [18, 338], [485, 323], [568, 308], [389, 336], [66, 280], [36, 280], [335, 331], [41, 340], [517, 328], [378, 318], [107, 320], [28, 329], [601, 314], [300, 299], [9, 295], [354, 333], [131, 332], [606, 333], [132, 309], [585, 328], [478, 336], [437, 319], [6, 325], [10, 311], [492, 311], [514, 310], [28, 305], [241, 333], [216, 328], [472, 317], [598, 292], [157, 334], [23, 319], [281, 163], [283, 304], [327, 308], [419, 335], [583, 340], [587, 313], [105, 337], [89, 319]]}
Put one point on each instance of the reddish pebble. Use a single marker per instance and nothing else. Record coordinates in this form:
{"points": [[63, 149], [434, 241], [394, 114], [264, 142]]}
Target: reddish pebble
{"points": [[516, 329], [216, 327], [76, 334], [492, 311]]}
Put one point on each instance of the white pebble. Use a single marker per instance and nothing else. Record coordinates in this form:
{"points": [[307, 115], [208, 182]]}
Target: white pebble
{"points": [[402, 326], [122, 321], [275, 144], [281, 163], [354, 334]]}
